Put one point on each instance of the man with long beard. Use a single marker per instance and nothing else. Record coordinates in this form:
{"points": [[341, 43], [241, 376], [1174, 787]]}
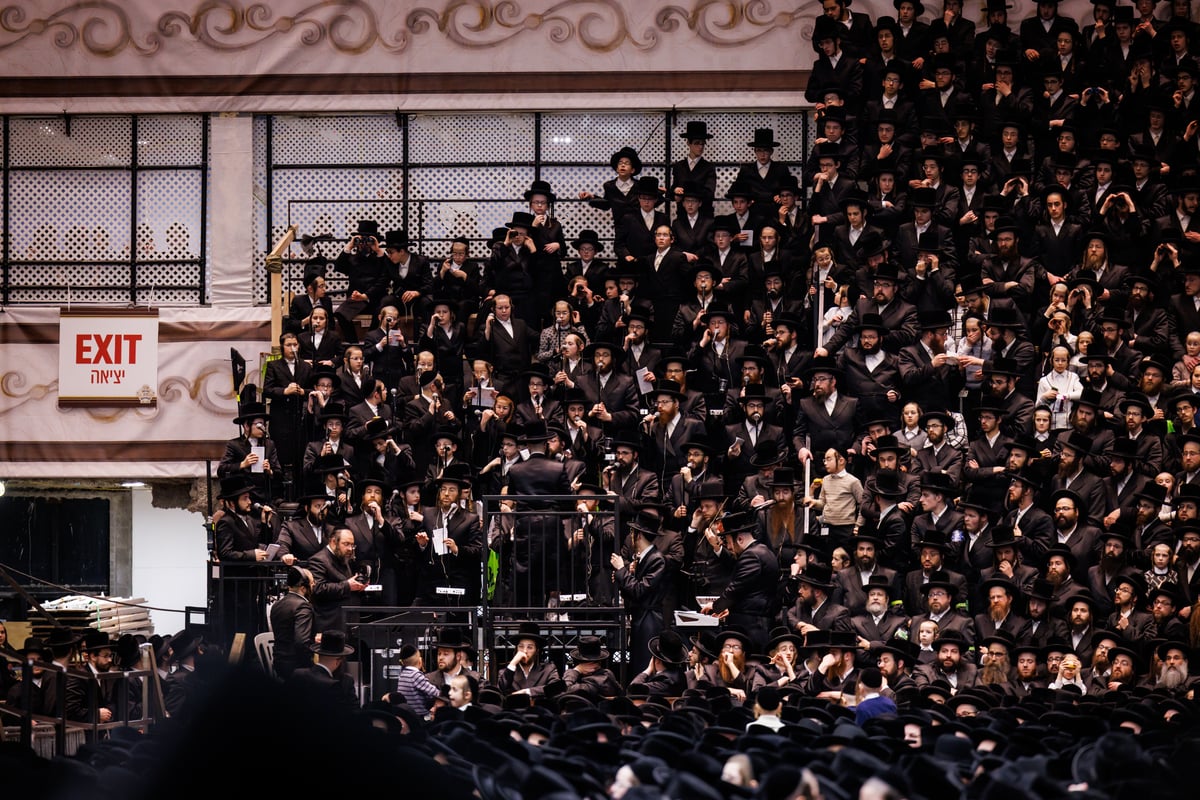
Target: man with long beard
{"points": [[729, 670], [999, 617], [939, 593], [1095, 258], [1173, 674], [995, 660], [1081, 626], [1187, 562], [1114, 561], [813, 610], [1043, 628], [896, 661]]}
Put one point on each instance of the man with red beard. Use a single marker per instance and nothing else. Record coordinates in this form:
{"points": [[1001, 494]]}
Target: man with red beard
{"points": [[1058, 564], [835, 674], [995, 660], [1097, 674], [999, 617], [949, 665], [1173, 674], [1123, 665], [729, 670]]}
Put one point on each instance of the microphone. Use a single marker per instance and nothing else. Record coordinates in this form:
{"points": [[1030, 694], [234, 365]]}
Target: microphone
{"points": [[256, 507]]}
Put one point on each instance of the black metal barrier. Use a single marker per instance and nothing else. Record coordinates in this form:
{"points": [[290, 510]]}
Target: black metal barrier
{"points": [[551, 564], [53, 734]]}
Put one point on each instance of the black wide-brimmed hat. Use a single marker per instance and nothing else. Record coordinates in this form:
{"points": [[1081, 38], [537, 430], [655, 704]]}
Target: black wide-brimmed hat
{"points": [[333, 643], [587, 236], [669, 648], [235, 486], [589, 649], [887, 484], [627, 152]]}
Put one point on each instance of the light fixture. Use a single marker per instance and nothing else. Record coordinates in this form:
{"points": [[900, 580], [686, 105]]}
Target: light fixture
{"points": [[133, 485]]}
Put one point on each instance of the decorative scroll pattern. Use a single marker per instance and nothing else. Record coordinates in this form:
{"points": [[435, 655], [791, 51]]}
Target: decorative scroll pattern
{"points": [[354, 27]]}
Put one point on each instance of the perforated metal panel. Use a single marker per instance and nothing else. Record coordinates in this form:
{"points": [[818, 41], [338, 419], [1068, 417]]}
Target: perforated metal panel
{"points": [[93, 142], [44, 206], [337, 140], [457, 139], [170, 141], [593, 138]]}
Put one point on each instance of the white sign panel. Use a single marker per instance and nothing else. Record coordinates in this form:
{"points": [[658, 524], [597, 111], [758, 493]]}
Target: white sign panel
{"points": [[108, 357]]}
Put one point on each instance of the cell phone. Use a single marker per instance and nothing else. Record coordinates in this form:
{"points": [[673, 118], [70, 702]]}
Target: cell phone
{"points": [[739, 441]]}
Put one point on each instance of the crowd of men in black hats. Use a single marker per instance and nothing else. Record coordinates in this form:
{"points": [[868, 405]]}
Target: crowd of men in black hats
{"points": [[971, 317]]}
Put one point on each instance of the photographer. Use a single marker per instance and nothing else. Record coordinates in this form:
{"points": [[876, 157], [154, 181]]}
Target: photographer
{"points": [[362, 260]]}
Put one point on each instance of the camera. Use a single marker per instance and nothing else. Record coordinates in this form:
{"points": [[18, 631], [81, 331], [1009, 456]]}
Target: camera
{"points": [[364, 243]]}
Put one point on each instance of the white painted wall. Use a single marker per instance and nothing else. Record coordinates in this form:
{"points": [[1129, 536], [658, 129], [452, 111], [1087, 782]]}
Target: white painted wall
{"points": [[169, 553]]}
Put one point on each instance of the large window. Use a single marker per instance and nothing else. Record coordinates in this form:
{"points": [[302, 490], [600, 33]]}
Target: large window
{"points": [[104, 209]]}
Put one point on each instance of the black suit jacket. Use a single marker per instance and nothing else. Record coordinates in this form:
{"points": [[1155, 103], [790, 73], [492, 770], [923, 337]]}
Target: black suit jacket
{"points": [[459, 571], [331, 590]]}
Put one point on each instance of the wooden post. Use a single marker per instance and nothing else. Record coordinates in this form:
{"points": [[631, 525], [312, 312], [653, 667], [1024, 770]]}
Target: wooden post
{"points": [[275, 271]]}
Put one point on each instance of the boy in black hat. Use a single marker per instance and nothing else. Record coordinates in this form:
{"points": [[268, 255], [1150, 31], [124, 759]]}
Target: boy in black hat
{"points": [[763, 175], [833, 69], [694, 169], [635, 230], [617, 193]]}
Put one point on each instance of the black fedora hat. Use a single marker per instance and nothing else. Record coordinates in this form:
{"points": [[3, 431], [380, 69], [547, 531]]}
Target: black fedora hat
{"points": [[529, 630], [763, 137], [367, 227], [887, 484], [540, 187], [1003, 536], [767, 453], [333, 643], [696, 129], [396, 240], [648, 186], [818, 575], [521, 219]]}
